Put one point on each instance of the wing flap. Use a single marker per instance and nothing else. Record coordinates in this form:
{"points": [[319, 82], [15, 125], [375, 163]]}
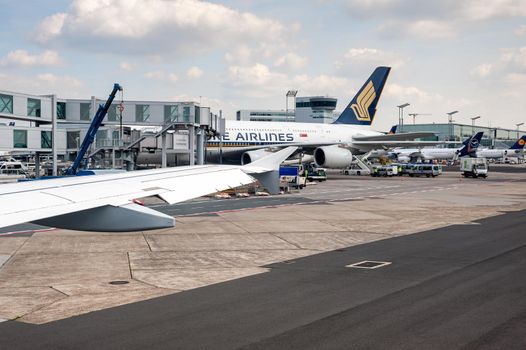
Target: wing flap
{"points": [[202, 184]]}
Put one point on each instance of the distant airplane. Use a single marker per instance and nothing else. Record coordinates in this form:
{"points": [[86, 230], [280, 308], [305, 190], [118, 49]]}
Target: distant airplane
{"points": [[409, 154], [331, 145], [514, 151], [111, 202]]}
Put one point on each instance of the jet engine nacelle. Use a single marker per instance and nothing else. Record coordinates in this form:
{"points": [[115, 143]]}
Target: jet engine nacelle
{"points": [[252, 156], [334, 157], [404, 159]]}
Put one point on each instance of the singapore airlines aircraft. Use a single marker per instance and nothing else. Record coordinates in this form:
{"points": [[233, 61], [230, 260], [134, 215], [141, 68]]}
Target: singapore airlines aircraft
{"points": [[332, 145], [514, 151], [110, 202]]}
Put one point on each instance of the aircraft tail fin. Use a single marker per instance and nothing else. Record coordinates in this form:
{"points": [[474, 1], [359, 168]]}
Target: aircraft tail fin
{"points": [[471, 145], [520, 143], [393, 130], [362, 109]]}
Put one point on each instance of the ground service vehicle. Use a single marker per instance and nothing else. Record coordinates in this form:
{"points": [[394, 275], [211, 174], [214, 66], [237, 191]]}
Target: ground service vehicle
{"points": [[314, 173], [292, 176], [385, 170], [474, 167], [421, 169]]}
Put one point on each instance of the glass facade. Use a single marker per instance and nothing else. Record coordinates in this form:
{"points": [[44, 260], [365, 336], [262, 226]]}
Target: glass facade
{"points": [[45, 139], [460, 132], [142, 113], [20, 138], [113, 113], [61, 110], [171, 114], [317, 103], [73, 139], [186, 114], [85, 111], [33, 107], [6, 104]]}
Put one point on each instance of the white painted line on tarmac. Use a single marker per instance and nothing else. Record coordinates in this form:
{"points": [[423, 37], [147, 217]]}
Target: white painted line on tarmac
{"points": [[27, 231]]}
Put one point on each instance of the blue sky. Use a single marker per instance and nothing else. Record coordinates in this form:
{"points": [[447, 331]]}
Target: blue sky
{"points": [[245, 54]]}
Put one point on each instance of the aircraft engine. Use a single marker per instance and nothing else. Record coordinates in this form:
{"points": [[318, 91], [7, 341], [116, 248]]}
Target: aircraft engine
{"points": [[333, 157], [404, 159], [252, 156]]}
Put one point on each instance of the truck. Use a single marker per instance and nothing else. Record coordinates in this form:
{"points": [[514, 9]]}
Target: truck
{"points": [[474, 167]]}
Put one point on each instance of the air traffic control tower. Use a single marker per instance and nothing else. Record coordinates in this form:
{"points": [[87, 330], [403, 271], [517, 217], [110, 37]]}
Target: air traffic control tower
{"points": [[316, 109]]}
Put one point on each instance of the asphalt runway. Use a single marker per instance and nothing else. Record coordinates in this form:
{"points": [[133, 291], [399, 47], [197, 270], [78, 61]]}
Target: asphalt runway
{"points": [[314, 193], [458, 287], [371, 188]]}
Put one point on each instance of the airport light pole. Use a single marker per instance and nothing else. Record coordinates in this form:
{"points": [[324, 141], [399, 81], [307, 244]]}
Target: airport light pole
{"points": [[450, 122], [401, 115], [473, 123], [518, 126]]}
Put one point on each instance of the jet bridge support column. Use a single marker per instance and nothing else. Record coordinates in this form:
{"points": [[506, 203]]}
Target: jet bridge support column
{"points": [[191, 131], [54, 135], [163, 150], [37, 165], [200, 146]]}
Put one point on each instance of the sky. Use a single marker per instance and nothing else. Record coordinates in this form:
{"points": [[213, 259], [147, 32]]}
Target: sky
{"points": [[446, 55]]}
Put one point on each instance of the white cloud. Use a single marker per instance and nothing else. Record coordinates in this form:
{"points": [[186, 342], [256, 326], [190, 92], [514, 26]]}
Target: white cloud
{"points": [[165, 26], [466, 10], [521, 31], [433, 19], [161, 75], [256, 80], [292, 61], [50, 27], [480, 10], [157, 74], [194, 73], [421, 29], [25, 59], [173, 77], [261, 82], [45, 84], [373, 56], [239, 55], [482, 70], [410, 93], [126, 66]]}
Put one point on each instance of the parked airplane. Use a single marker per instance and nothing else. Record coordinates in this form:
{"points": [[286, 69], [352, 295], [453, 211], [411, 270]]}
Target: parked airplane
{"points": [[468, 149], [514, 151], [110, 202], [332, 145]]}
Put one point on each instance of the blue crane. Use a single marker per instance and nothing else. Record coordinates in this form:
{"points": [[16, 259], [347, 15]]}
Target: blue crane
{"points": [[92, 131]]}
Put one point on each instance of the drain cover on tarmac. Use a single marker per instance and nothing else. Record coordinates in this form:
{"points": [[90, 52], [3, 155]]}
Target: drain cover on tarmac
{"points": [[369, 264]]}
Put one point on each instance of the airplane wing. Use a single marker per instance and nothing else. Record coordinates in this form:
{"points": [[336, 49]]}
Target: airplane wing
{"points": [[108, 202], [366, 146], [394, 137]]}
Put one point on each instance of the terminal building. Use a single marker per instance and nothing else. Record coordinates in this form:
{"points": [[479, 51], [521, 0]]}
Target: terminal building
{"points": [[316, 109], [493, 137], [45, 125]]}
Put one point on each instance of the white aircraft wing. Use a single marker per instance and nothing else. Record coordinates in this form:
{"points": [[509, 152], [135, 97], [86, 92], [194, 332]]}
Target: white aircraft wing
{"points": [[366, 146], [107, 202]]}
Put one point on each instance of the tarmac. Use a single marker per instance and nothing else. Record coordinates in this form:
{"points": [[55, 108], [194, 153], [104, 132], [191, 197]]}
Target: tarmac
{"points": [[55, 275]]}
